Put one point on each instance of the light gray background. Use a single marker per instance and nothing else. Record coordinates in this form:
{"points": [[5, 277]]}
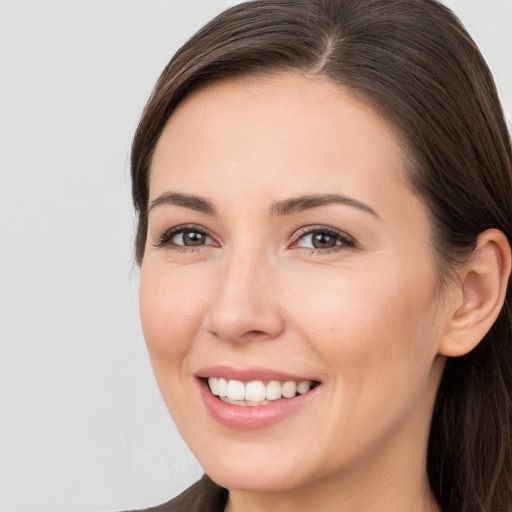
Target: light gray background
{"points": [[82, 426]]}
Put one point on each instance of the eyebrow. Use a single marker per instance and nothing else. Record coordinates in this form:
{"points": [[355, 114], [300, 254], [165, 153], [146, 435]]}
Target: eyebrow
{"points": [[187, 201], [301, 203], [279, 208]]}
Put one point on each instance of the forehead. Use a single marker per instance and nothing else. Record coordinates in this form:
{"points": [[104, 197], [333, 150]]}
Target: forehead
{"points": [[263, 130]]}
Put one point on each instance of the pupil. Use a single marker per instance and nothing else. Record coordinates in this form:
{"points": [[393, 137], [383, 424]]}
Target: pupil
{"points": [[323, 240], [193, 238]]}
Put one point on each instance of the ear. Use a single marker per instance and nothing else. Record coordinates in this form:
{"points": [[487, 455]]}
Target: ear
{"points": [[478, 295]]}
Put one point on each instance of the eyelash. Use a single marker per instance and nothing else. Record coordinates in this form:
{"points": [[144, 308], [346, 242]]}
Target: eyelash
{"points": [[167, 236], [347, 242]]}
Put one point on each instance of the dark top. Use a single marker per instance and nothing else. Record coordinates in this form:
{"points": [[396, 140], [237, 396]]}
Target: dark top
{"points": [[203, 496]]}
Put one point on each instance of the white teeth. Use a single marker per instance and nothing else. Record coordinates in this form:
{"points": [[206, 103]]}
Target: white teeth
{"points": [[304, 387], [273, 391], [253, 404], [289, 389], [243, 403], [255, 392], [223, 387], [236, 390], [214, 385]]}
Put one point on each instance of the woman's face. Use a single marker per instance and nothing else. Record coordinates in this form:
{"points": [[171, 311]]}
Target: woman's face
{"points": [[284, 246]]}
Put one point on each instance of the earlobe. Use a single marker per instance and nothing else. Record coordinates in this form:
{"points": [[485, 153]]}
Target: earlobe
{"points": [[480, 294]]}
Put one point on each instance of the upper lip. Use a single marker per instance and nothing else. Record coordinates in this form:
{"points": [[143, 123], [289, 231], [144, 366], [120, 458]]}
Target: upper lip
{"points": [[249, 374]]}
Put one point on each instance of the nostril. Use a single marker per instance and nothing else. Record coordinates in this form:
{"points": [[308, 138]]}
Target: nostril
{"points": [[247, 336]]}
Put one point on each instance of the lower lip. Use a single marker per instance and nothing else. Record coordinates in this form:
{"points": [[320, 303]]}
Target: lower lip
{"points": [[252, 417]]}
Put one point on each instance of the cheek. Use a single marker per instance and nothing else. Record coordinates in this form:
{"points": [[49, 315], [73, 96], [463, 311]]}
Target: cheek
{"points": [[171, 309], [376, 338], [366, 319]]}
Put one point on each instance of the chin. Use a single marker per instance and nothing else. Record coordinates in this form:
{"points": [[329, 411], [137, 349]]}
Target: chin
{"points": [[255, 479]]}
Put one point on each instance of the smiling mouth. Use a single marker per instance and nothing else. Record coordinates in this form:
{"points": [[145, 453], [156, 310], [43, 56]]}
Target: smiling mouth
{"points": [[257, 392]]}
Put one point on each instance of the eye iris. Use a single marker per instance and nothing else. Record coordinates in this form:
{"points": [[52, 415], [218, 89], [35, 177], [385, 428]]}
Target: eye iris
{"points": [[191, 238], [322, 240]]}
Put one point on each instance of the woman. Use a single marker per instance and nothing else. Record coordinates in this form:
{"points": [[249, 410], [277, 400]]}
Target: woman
{"points": [[323, 190]]}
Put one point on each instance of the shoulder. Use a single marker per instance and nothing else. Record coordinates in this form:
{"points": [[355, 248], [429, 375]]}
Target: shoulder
{"points": [[203, 496]]}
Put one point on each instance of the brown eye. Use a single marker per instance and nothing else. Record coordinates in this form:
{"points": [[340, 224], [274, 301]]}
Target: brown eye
{"points": [[324, 239], [319, 240], [181, 237], [190, 238]]}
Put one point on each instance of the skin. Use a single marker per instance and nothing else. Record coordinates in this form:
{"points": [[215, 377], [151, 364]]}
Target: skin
{"points": [[365, 319]]}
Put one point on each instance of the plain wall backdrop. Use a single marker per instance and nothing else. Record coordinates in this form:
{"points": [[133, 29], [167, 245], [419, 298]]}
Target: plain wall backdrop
{"points": [[82, 424]]}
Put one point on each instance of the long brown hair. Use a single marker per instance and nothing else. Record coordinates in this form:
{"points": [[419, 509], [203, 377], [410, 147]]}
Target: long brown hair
{"points": [[414, 62]]}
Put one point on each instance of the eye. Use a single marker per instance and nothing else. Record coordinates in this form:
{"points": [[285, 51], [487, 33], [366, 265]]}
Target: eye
{"points": [[185, 236], [190, 238], [323, 239]]}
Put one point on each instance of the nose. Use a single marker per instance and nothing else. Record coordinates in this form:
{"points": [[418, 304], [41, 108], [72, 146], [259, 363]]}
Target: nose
{"points": [[245, 301]]}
